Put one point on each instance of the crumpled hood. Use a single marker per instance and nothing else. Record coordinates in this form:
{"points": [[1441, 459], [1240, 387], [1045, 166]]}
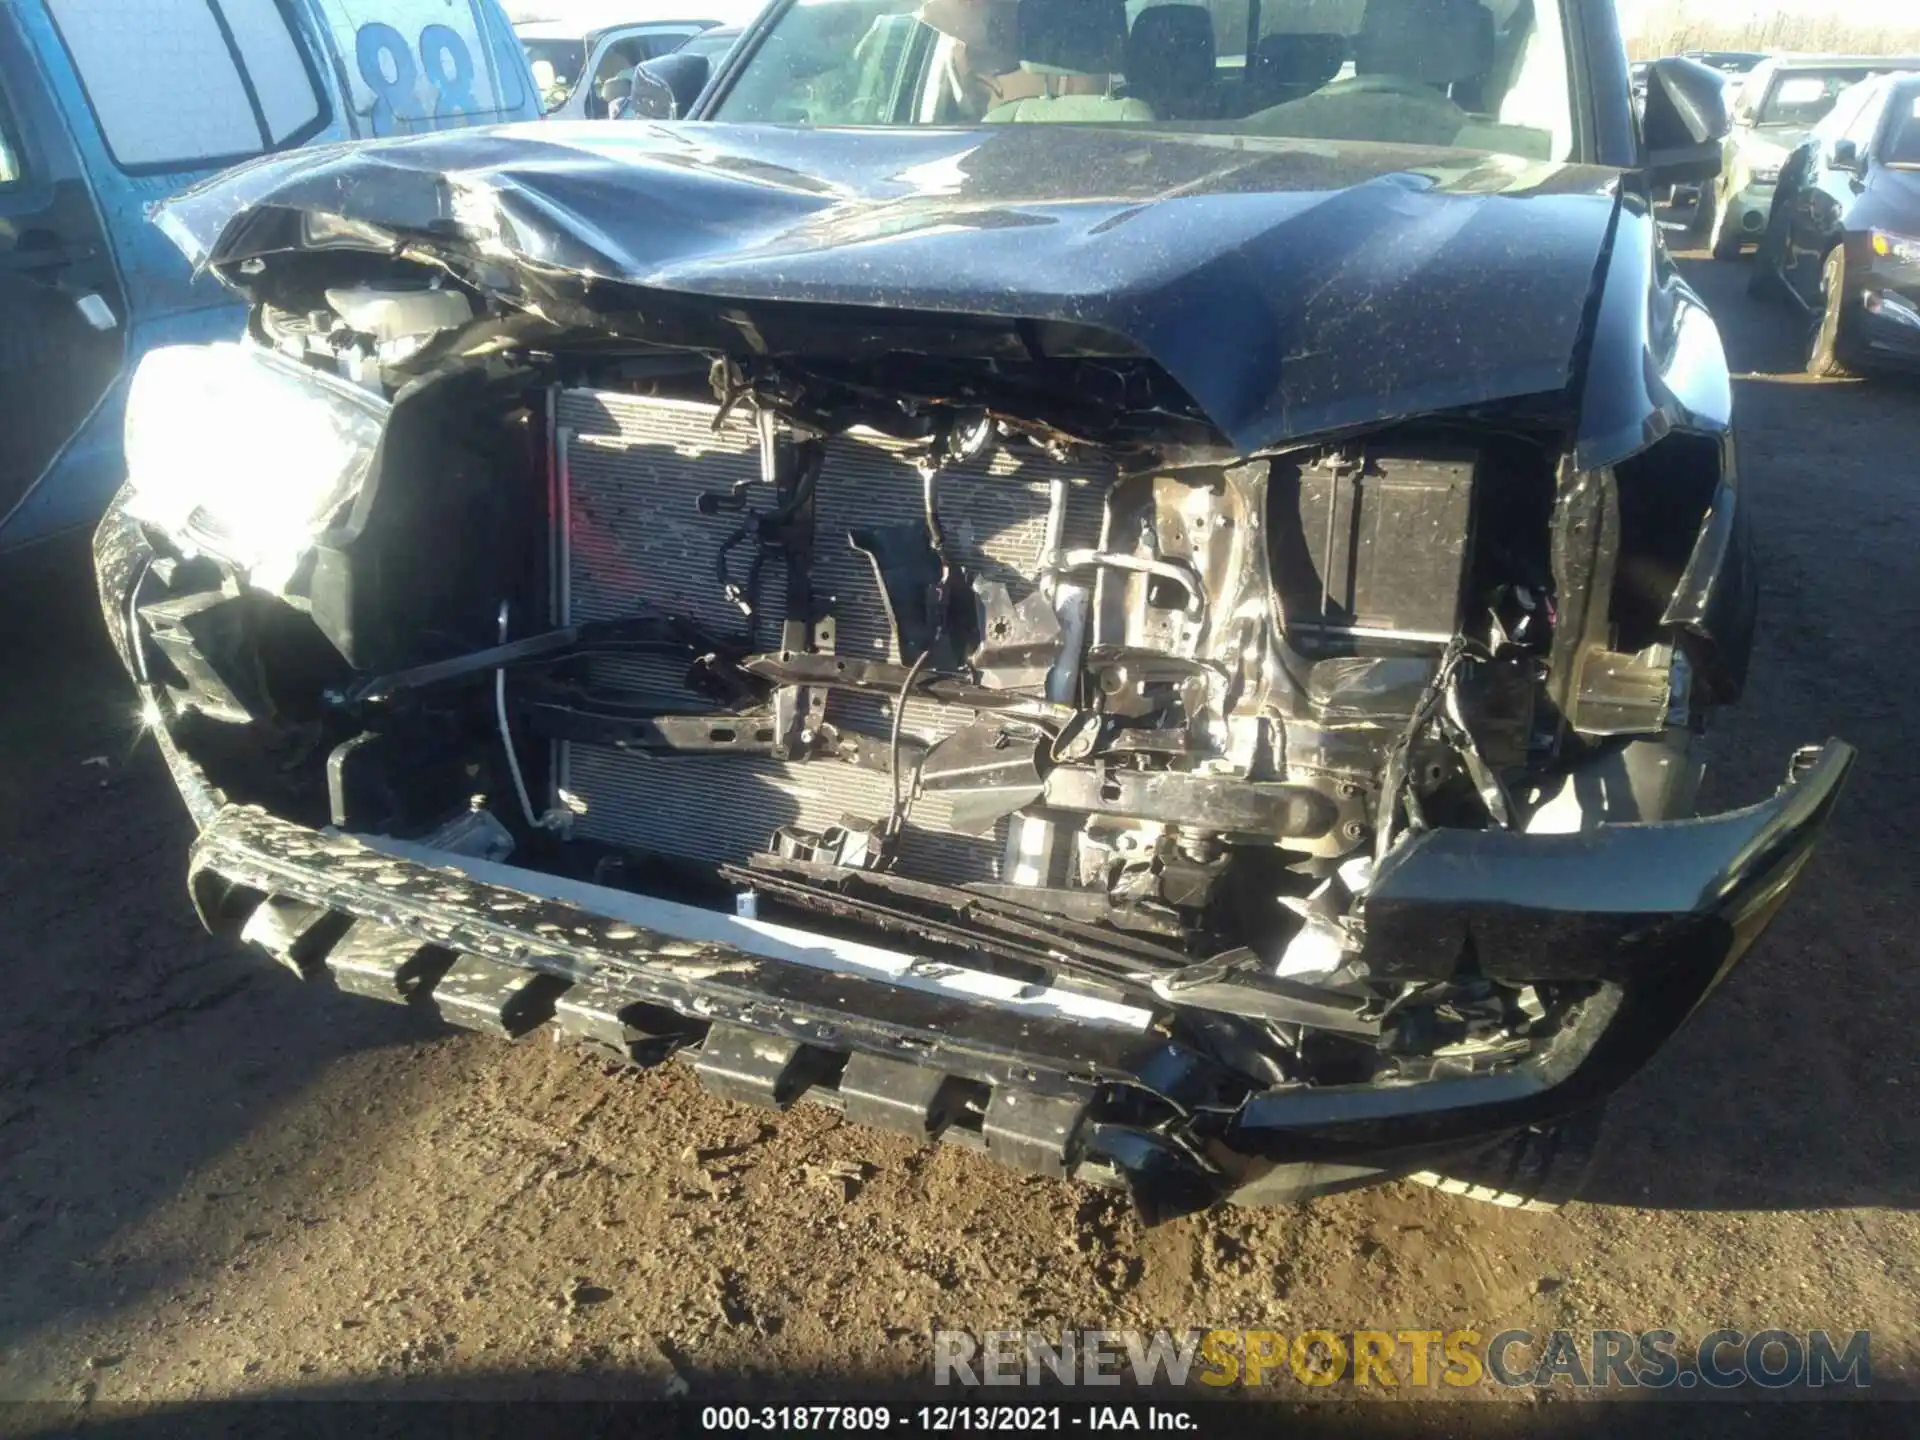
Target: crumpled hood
{"points": [[1289, 286]]}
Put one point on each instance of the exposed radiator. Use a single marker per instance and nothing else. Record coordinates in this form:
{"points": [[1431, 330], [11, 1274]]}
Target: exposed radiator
{"points": [[630, 473]]}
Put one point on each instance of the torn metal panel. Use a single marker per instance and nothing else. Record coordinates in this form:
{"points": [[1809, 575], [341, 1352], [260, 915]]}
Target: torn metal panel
{"points": [[991, 768], [1586, 548], [1019, 644], [1224, 804], [1718, 598]]}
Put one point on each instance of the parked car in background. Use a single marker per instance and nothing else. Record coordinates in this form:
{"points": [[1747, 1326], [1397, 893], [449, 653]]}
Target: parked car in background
{"points": [[1736, 65], [1843, 241], [1781, 101], [106, 109], [703, 52], [1728, 62], [669, 77], [578, 70], [713, 45]]}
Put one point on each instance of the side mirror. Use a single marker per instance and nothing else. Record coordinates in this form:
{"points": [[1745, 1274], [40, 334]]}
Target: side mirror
{"points": [[1686, 120], [665, 89], [1845, 155]]}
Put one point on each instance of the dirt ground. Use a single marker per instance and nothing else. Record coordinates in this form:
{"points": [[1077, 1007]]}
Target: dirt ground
{"points": [[216, 1182]]}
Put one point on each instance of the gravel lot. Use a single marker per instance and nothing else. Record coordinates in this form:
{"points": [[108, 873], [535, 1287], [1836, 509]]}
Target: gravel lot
{"points": [[215, 1182]]}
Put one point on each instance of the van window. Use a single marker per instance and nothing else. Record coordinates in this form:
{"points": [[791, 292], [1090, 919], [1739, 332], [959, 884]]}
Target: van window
{"points": [[417, 65], [1845, 110], [564, 60], [10, 168], [1903, 134], [188, 84], [1866, 124]]}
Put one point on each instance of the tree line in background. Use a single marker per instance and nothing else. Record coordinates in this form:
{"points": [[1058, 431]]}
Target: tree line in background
{"points": [[1857, 34]]}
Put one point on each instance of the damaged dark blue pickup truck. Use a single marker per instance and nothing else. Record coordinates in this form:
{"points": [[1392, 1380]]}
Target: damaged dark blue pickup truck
{"points": [[1170, 646]]}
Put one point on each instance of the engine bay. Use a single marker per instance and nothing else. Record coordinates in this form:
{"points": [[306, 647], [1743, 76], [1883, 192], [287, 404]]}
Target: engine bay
{"points": [[1139, 718]]}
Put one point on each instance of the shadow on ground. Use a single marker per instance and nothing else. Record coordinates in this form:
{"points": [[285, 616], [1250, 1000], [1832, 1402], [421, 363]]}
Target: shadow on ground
{"points": [[133, 1048], [1792, 1088]]}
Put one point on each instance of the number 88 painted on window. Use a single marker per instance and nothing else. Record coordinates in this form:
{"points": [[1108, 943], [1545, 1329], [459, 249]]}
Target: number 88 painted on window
{"points": [[449, 72]]}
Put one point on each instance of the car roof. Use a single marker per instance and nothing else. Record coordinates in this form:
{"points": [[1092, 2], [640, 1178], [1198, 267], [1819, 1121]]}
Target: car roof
{"points": [[557, 31], [692, 14], [1841, 62], [548, 30]]}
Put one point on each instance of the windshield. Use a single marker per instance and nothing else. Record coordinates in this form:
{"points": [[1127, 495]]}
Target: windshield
{"points": [[713, 44], [1803, 97], [1489, 77]]}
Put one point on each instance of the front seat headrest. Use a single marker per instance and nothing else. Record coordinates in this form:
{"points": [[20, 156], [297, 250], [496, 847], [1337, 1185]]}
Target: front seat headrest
{"points": [[1170, 57], [1088, 37], [1307, 60], [1438, 42]]}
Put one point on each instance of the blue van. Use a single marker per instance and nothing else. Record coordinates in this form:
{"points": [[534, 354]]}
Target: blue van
{"points": [[107, 106]]}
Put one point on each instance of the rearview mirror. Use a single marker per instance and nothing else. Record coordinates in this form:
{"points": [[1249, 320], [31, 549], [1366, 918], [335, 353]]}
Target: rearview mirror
{"points": [[1845, 155], [1685, 121], [665, 89]]}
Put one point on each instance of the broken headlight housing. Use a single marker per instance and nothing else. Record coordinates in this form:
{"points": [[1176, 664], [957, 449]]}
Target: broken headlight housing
{"points": [[240, 454]]}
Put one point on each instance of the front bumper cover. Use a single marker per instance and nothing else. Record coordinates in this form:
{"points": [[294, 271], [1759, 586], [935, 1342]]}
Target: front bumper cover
{"points": [[1653, 915]]}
